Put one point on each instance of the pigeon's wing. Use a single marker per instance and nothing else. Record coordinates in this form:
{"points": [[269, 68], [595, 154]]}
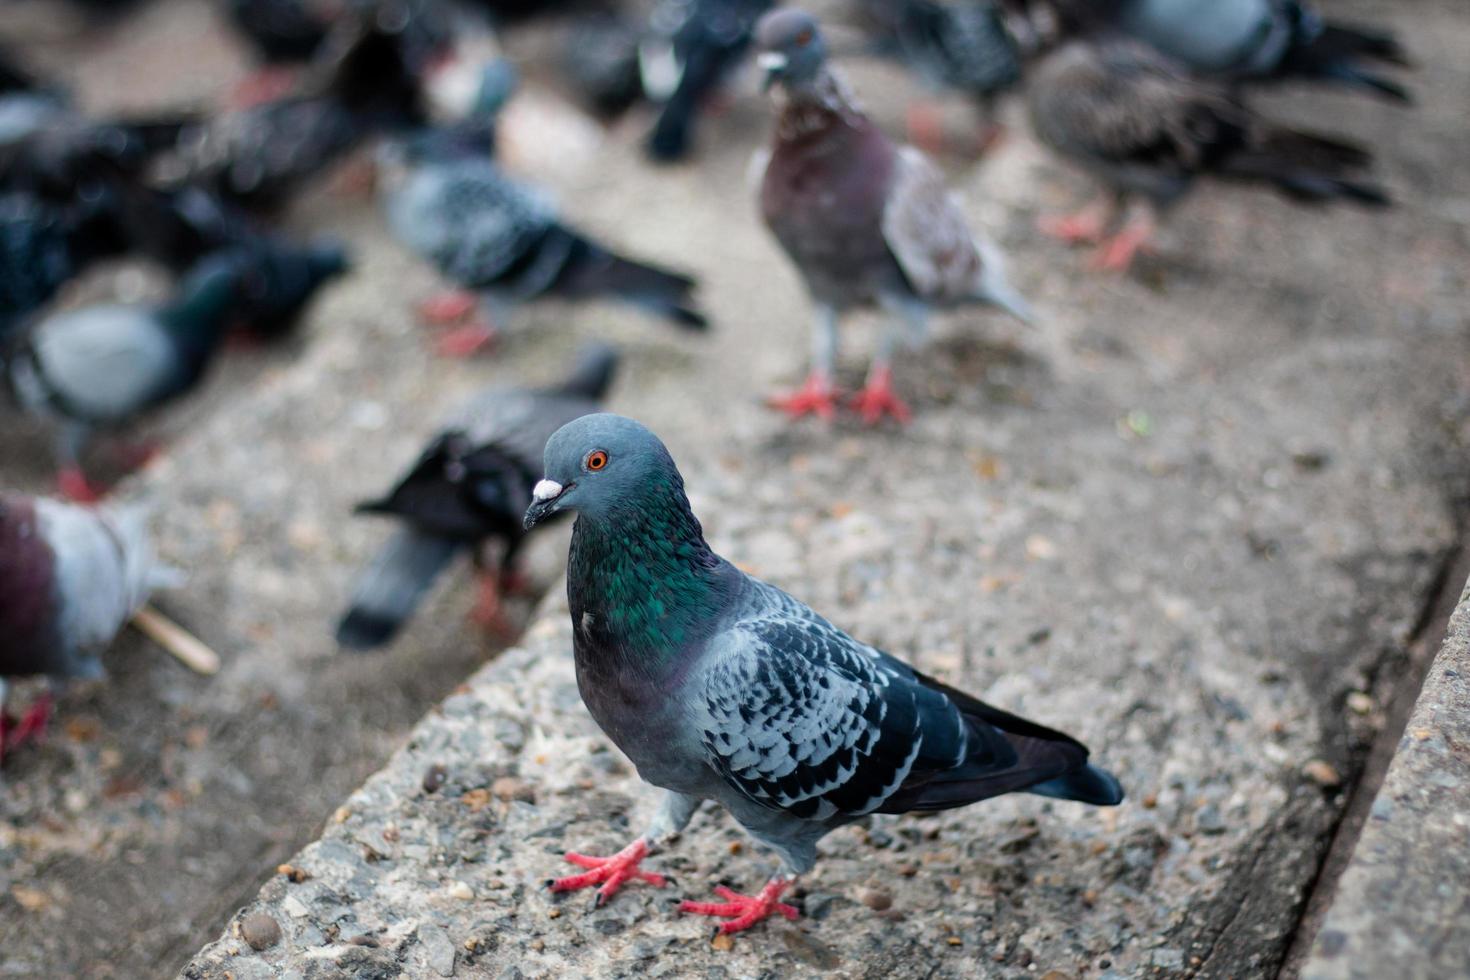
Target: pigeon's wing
{"points": [[97, 573], [800, 717], [102, 364], [1121, 105], [926, 232]]}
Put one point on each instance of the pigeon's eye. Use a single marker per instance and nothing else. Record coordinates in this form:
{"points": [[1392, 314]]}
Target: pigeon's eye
{"points": [[803, 39], [595, 460]]}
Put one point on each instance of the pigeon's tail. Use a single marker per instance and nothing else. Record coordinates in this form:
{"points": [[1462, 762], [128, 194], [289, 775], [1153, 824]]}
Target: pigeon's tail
{"points": [[591, 270], [1087, 785], [1337, 52], [996, 289], [593, 373], [1307, 166], [392, 588]]}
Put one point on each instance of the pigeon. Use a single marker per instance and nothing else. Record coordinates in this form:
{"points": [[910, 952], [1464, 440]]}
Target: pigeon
{"points": [[710, 39], [721, 687], [864, 221], [370, 80], [42, 246], [101, 366], [450, 204], [600, 59], [1250, 40], [964, 46], [470, 487], [70, 578], [1146, 128], [283, 35]]}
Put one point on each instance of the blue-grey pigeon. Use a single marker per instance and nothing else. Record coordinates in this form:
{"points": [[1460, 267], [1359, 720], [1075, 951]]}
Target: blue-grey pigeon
{"points": [[1146, 129], [720, 687], [100, 366], [504, 241], [470, 487], [865, 222], [70, 578]]}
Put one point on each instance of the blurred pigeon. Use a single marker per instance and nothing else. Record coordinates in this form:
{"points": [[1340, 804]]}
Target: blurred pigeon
{"points": [[470, 487], [42, 246], [371, 80], [70, 578], [864, 221], [963, 46], [600, 58], [720, 687], [1251, 39], [100, 366], [709, 40], [447, 202], [1147, 129], [283, 35]]}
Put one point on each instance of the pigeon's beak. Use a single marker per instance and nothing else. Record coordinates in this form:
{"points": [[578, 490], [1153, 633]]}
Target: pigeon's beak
{"points": [[773, 63], [545, 497]]}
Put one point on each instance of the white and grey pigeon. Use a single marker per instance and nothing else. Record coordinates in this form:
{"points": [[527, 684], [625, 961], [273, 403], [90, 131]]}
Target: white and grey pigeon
{"points": [[99, 367], [469, 488], [721, 687], [864, 221], [505, 242], [70, 578]]}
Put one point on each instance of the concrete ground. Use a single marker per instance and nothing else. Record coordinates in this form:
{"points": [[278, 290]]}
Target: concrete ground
{"points": [[1196, 518]]}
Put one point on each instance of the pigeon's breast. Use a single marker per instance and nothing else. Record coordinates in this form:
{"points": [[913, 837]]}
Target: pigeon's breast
{"points": [[823, 197]]}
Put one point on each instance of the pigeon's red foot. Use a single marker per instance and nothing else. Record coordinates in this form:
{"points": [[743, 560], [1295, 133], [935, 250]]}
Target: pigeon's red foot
{"points": [[448, 308], [609, 872], [877, 399], [263, 85], [32, 724], [817, 396], [1085, 227], [75, 486], [1117, 253], [466, 341], [744, 911], [925, 124], [489, 611]]}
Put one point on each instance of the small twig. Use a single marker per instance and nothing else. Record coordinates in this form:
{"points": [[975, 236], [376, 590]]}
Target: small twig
{"points": [[174, 639]]}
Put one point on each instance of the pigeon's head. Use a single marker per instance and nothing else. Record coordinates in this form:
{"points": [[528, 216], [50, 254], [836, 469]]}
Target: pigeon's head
{"points": [[597, 464], [791, 49]]}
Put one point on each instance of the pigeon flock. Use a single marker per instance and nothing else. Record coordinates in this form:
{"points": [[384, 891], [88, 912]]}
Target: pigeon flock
{"points": [[717, 686]]}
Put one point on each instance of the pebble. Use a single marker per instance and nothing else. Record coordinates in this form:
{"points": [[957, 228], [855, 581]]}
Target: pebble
{"points": [[260, 931], [876, 899], [461, 891], [434, 778], [510, 788], [1322, 773]]}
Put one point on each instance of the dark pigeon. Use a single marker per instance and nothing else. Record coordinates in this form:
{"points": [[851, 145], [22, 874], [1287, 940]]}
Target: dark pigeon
{"points": [[966, 47], [280, 31], [864, 221], [1252, 40], [70, 578], [705, 42], [600, 58], [469, 489], [505, 241], [99, 367], [720, 687], [1147, 129]]}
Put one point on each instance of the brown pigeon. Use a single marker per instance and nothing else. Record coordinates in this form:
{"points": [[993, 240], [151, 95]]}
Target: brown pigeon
{"points": [[1144, 127], [866, 222]]}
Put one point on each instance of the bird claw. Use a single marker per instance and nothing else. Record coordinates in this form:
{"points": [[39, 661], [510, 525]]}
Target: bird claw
{"points": [[1117, 253], [1083, 228], [448, 308], [466, 341], [611, 873], [877, 399], [74, 486], [817, 396], [743, 911]]}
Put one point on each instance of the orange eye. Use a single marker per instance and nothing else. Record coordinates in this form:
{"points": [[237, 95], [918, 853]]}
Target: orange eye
{"points": [[596, 460], [803, 39]]}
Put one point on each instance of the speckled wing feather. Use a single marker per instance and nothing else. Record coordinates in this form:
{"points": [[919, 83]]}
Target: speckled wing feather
{"points": [[800, 717], [1119, 103], [926, 232]]}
